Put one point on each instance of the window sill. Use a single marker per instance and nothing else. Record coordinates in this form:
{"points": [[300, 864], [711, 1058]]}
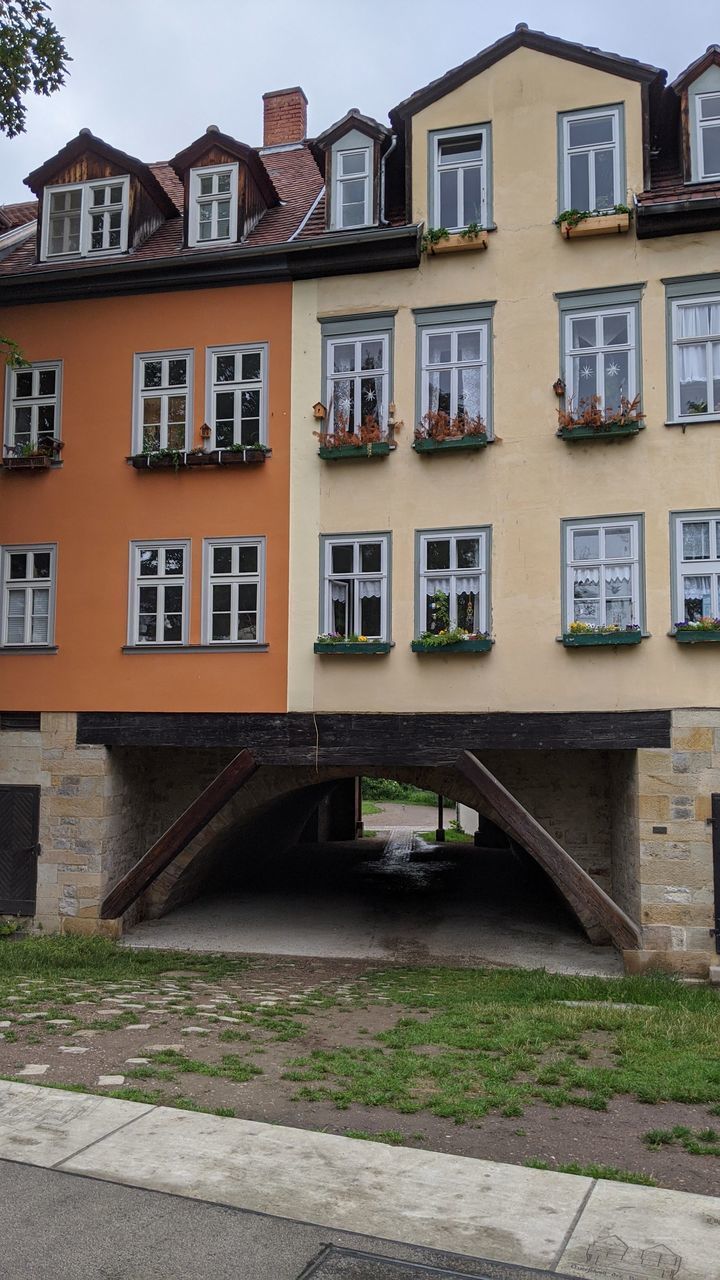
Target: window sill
{"points": [[212, 458], [353, 647], [196, 648], [458, 243], [29, 648], [38, 462], [456, 443], [610, 432], [613, 639], [602, 224], [481, 645], [695, 637], [378, 449], [699, 421]]}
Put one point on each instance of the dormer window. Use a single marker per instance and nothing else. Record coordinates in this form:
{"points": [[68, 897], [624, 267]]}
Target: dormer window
{"points": [[86, 219], [352, 188], [213, 205], [708, 136]]}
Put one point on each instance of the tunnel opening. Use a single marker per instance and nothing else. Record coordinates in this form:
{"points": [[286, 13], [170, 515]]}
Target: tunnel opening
{"points": [[371, 867]]}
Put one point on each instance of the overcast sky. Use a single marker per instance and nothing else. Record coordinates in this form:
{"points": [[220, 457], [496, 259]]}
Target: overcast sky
{"points": [[148, 76]]}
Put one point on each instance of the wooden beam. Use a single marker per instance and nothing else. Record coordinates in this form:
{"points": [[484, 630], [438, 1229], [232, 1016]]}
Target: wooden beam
{"points": [[178, 836], [594, 908], [357, 739]]}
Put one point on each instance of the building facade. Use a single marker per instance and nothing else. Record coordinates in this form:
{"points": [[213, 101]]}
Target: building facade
{"points": [[483, 346]]}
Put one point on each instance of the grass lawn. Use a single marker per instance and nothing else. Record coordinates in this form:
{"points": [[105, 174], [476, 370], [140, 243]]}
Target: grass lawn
{"points": [[369, 807], [451, 837]]}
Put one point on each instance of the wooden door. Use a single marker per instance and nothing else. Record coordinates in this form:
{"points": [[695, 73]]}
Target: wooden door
{"points": [[19, 849]]}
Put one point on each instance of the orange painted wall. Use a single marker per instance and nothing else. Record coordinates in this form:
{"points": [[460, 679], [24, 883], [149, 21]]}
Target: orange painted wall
{"points": [[95, 504]]}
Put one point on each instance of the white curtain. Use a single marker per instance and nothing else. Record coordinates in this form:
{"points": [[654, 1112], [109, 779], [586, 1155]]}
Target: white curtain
{"points": [[467, 585], [370, 590], [338, 591], [617, 573], [696, 540], [702, 321], [586, 575], [439, 584]]}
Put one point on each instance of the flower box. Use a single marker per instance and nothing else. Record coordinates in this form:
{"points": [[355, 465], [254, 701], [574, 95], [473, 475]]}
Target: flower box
{"points": [[576, 640], [609, 431], [378, 449], [29, 462], [598, 224], [481, 644], [157, 462], [453, 442], [237, 457], [458, 243], [700, 635], [352, 646]]}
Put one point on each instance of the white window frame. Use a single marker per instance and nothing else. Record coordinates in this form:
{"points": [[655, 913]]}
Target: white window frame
{"points": [[600, 349], [592, 114], [700, 300], [86, 210], [160, 581], [700, 126], [603, 525], [427, 576], [18, 584], [212, 386], [702, 567], [210, 579], [13, 401], [196, 200], [459, 167], [356, 340], [141, 393], [341, 179], [454, 364], [356, 576]]}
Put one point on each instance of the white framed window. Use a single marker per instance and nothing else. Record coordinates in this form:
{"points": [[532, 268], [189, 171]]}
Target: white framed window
{"points": [[696, 550], [696, 357], [163, 400], [86, 219], [236, 383], [159, 606], [453, 570], [28, 595], [454, 371], [355, 586], [234, 590], [591, 160], [601, 358], [358, 374], [460, 178], [602, 566], [353, 188], [213, 204], [32, 405], [707, 107]]}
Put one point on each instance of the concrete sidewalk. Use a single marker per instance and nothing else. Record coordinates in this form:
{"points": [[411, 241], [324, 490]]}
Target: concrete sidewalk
{"points": [[554, 1222]]}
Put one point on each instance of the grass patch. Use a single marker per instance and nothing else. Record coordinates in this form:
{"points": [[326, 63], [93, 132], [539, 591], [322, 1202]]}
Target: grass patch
{"points": [[392, 1137], [71, 956], [609, 1172], [697, 1142], [451, 837], [369, 807], [230, 1067]]}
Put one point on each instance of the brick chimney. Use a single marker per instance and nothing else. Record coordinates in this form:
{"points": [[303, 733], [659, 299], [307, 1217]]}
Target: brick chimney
{"points": [[284, 117]]}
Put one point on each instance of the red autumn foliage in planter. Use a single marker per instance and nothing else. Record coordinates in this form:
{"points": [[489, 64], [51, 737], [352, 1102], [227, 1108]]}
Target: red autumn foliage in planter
{"points": [[438, 425], [592, 417]]}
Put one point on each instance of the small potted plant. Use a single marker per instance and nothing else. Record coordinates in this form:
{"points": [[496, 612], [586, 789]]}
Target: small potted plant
{"points": [[369, 441], [437, 431], [573, 223], [702, 630], [241, 454], [581, 634], [440, 240], [158, 459], [333, 642], [591, 422], [32, 457]]}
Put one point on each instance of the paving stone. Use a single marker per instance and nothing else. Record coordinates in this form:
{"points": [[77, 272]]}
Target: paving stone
{"points": [[163, 1048], [86, 1035], [5, 1024], [60, 1022], [29, 1017], [34, 1069], [137, 1062], [138, 1026], [197, 1031], [110, 1081], [73, 1048]]}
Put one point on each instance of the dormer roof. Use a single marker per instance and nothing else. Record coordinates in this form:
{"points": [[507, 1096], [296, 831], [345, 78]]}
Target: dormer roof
{"points": [[353, 119], [88, 142], [214, 139], [710, 58]]}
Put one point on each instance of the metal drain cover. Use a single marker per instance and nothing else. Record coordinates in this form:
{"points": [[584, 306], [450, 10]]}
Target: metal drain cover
{"points": [[334, 1263]]}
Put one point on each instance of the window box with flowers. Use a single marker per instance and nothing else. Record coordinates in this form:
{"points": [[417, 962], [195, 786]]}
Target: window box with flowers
{"points": [[165, 459], [437, 431], [369, 442], [440, 240], [591, 422], [452, 640], [574, 223], [582, 634], [704, 631], [32, 457], [335, 643]]}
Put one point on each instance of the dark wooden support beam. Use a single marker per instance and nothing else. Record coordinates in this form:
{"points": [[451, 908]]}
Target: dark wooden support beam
{"points": [[178, 836], [599, 916]]}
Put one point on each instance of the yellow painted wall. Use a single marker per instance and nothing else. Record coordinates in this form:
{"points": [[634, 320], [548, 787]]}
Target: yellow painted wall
{"points": [[528, 480]]}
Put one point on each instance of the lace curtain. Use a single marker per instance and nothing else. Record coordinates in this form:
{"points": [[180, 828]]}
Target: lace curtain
{"points": [[466, 584]]}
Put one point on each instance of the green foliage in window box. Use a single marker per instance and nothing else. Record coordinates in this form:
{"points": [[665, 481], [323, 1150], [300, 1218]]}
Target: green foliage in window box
{"points": [[452, 640], [379, 449], [704, 630], [32, 457], [333, 642], [158, 458], [582, 633], [432, 236], [236, 454], [573, 217]]}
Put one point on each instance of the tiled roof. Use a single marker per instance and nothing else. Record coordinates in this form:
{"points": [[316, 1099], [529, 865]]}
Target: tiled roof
{"points": [[16, 215]]}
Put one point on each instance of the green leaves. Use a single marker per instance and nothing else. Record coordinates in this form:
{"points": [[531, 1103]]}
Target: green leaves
{"points": [[33, 59]]}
